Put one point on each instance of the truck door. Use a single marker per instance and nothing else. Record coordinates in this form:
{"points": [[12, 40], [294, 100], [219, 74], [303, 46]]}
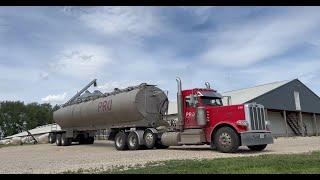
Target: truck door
{"points": [[190, 114]]}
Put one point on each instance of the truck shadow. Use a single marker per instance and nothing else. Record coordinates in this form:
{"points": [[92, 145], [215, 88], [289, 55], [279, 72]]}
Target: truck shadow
{"points": [[240, 151]]}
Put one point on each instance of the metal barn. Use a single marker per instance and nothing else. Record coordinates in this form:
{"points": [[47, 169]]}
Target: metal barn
{"points": [[292, 108]]}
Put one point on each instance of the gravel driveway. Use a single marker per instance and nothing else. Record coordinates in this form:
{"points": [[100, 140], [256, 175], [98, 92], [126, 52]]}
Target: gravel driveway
{"points": [[48, 158]]}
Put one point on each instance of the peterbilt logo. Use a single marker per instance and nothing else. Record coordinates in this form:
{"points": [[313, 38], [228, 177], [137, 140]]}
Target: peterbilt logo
{"points": [[105, 106]]}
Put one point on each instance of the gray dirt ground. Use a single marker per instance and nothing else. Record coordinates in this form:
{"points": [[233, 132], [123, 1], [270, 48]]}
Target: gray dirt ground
{"points": [[48, 158]]}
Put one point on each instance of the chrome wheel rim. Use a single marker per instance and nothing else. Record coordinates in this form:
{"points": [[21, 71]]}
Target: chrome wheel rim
{"points": [[225, 139], [149, 138], [132, 141], [119, 141]]}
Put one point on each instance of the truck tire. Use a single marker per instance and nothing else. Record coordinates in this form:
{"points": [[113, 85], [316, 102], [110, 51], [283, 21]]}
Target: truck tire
{"points": [[64, 140], [52, 138], [58, 139], [149, 139], [226, 140], [133, 141], [120, 141], [257, 147]]}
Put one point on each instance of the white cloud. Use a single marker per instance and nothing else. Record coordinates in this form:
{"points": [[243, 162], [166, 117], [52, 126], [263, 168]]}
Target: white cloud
{"points": [[44, 75], [81, 60], [122, 21], [58, 98], [244, 44]]}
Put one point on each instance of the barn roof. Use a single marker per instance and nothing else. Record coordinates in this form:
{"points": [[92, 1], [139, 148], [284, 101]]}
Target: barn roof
{"points": [[241, 96]]}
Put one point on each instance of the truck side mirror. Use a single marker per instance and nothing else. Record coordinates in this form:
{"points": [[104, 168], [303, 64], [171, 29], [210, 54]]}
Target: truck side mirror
{"points": [[192, 102]]}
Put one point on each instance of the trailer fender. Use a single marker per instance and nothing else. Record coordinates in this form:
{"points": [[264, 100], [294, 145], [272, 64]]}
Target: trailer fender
{"points": [[153, 130]]}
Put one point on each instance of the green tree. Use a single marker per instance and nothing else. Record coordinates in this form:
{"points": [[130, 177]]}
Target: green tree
{"points": [[16, 112]]}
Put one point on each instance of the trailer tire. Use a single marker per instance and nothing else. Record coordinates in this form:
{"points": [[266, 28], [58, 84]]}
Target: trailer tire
{"points": [[69, 141], [90, 140], [149, 139], [133, 141], [52, 138], [257, 147], [58, 139], [226, 140], [64, 140], [82, 139], [120, 141]]}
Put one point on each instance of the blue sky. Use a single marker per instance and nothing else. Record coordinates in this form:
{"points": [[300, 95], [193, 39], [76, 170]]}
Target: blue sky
{"points": [[48, 53]]}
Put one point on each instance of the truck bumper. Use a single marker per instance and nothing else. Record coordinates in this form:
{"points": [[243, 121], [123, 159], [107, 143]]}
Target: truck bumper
{"points": [[256, 138]]}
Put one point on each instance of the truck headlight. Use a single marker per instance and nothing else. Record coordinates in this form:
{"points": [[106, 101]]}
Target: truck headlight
{"points": [[268, 125]]}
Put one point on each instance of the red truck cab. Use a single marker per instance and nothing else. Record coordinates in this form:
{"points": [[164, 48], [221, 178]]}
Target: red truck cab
{"points": [[205, 119]]}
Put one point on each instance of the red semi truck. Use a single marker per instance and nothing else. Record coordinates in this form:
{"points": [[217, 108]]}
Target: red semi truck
{"points": [[135, 115]]}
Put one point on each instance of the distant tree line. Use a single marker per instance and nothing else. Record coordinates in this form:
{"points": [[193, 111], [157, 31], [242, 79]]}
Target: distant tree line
{"points": [[15, 113]]}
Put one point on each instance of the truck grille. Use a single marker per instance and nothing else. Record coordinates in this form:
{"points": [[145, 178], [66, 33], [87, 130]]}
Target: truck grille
{"points": [[257, 118]]}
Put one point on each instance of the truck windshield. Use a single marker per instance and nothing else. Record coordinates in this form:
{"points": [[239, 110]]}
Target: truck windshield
{"points": [[211, 101]]}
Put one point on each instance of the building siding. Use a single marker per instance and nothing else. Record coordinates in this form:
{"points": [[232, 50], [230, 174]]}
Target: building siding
{"points": [[278, 127], [282, 98]]}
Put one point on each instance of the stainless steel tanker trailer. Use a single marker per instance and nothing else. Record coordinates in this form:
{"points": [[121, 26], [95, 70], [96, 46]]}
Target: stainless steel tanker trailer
{"points": [[132, 113]]}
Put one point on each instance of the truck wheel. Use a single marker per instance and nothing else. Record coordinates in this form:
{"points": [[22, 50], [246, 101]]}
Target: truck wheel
{"points": [[149, 139], [257, 147], [133, 141], [58, 140], [226, 140], [52, 138], [64, 140], [120, 141]]}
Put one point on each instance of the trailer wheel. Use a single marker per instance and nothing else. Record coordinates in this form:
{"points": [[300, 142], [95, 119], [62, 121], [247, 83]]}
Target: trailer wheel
{"points": [[83, 139], [64, 140], [226, 140], [52, 138], [90, 140], [69, 141], [149, 139], [257, 147], [120, 141], [133, 141], [58, 140]]}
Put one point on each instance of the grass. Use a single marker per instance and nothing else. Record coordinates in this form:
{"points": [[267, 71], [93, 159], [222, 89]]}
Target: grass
{"points": [[307, 163]]}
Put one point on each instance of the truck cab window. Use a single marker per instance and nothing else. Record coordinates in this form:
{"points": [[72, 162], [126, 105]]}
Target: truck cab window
{"points": [[188, 104], [211, 101]]}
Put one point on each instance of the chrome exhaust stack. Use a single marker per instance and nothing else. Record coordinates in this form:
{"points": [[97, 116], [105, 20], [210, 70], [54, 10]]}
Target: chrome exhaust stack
{"points": [[207, 85], [179, 104]]}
